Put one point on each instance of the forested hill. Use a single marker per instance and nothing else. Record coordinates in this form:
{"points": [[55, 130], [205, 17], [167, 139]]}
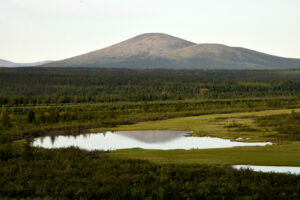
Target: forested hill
{"points": [[157, 50]]}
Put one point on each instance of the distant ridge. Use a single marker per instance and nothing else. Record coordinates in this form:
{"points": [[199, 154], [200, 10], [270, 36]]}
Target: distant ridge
{"points": [[5, 63], [158, 50]]}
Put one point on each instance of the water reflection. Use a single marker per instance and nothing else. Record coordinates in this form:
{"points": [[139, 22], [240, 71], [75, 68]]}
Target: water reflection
{"points": [[152, 137], [52, 138], [165, 140]]}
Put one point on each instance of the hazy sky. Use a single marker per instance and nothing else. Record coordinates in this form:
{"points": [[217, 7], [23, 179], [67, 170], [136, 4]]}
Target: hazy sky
{"points": [[34, 30]]}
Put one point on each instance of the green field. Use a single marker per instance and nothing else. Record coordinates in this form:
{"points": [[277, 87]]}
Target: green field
{"points": [[214, 125], [277, 155]]}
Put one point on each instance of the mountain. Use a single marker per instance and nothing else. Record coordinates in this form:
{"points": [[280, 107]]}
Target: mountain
{"points": [[142, 51], [218, 56], [34, 63], [157, 50], [5, 63]]}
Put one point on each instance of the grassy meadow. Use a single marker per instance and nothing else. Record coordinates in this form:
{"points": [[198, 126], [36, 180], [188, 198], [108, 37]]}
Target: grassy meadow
{"points": [[275, 155], [227, 126]]}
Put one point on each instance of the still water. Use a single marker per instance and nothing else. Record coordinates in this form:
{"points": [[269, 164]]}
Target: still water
{"points": [[164, 140], [277, 169]]}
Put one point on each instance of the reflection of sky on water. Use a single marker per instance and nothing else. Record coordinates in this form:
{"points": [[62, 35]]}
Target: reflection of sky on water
{"points": [[277, 169], [165, 140]]}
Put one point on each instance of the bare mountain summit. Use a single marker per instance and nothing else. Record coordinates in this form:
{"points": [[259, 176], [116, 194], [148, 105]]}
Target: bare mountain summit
{"points": [[156, 50], [144, 50]]}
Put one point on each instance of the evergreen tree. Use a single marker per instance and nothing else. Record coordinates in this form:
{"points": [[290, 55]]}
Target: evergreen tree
{"points": [[31, 116], [28, 152], [5, 117]]}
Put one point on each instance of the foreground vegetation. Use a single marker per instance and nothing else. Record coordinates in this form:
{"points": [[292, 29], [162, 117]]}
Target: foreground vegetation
{"points": [[75, 174], [249, 105]]}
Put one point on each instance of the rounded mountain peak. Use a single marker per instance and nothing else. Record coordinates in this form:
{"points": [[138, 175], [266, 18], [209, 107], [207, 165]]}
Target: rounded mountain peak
{"points": [[145, 46], [152, 44]]}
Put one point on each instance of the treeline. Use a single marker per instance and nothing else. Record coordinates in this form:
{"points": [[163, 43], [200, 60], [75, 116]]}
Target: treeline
{"points": [[46, 87], [207, 74]]}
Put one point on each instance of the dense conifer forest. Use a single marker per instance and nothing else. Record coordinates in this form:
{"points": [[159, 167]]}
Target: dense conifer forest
{"points": [[77, 85]]}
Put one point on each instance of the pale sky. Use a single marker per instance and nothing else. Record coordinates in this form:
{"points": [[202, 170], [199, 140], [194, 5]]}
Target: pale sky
{"points": [[35, 30]]}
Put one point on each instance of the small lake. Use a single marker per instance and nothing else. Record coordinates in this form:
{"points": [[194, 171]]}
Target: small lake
{"points": [[276, 169], [164, 140]]}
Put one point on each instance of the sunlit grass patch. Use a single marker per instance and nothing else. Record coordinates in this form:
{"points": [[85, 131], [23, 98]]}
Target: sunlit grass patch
{"points": [[229, 126], [274, 155]]}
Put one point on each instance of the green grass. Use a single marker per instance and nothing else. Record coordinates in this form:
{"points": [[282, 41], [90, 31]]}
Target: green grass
{"points": [[277, 155], [215, 125]]}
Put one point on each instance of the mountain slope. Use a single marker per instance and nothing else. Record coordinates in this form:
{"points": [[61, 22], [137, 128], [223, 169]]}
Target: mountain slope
{"points": [[35, 63], [156, 50], [218, 56], [143, 50]]}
